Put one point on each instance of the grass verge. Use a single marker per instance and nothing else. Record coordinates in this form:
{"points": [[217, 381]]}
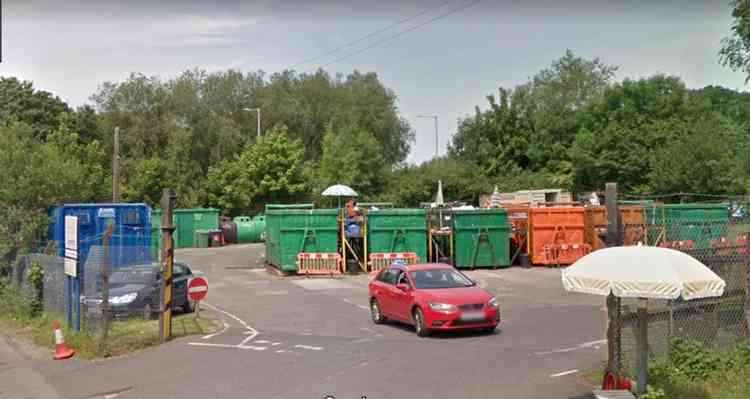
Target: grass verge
{"points": [[125, 336]]}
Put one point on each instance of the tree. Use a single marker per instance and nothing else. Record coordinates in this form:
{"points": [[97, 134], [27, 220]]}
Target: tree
{"points": [[533, 125], [37, 175], [735, 51], [352, 156], [269, 171], [704, 159], [631, 133], [20, 102]]}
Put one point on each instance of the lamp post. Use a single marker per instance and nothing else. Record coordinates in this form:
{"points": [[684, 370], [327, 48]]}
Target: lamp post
{"points": [[436, 130], [257, 110]]}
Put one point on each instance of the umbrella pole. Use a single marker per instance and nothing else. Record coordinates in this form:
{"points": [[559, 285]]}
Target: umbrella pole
{"points": [[642, 341]]}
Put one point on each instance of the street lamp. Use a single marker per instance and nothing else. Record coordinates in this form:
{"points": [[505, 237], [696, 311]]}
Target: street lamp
{"points": [[436, 130], [257, 110]]}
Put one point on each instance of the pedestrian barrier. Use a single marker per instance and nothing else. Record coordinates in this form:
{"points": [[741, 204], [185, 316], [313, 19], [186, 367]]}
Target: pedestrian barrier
{"points": [[564, 254], [379, 261], [319, 263], [678, 245], [743, 244]]}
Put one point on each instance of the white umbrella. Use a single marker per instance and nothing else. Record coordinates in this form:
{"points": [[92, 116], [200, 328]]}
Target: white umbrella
{"points": [[339, 190], [642, 272]]}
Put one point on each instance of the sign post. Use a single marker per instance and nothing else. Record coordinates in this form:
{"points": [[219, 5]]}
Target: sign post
{"points": [[168, 200], [71, 271], [197, 291]]}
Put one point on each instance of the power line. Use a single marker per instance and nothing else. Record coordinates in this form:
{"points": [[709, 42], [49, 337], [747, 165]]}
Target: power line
{"points": [[369, 35], [413, 28]]}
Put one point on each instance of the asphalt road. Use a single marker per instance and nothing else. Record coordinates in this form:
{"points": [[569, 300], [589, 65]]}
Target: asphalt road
{"points": [[309, 338]]}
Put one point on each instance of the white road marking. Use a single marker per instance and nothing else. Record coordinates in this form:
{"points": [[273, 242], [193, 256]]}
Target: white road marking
{"points": [[280, 351], [564, 373], [255, 348], [226, 327], [357, 305], [251, 333], [262, 341], [592, 344], [276, 344], [312, 348]]}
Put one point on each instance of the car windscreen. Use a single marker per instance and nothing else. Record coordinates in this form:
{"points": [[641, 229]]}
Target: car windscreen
{"points": [[132, 276], [439, 278]]}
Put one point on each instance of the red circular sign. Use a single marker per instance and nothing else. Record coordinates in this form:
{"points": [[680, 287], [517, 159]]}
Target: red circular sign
{"points": [[197, 288]]}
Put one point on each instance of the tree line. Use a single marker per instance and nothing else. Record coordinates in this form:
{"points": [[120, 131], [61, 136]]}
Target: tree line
{"points": [[572, 126]]}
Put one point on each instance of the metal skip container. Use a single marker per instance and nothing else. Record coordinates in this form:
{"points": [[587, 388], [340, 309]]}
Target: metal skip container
{"points": [[482, 238], [291, 231], [397, 230]]}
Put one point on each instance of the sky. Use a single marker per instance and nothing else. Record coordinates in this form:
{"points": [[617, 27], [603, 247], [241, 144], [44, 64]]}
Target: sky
{"points": [[443, 60]]}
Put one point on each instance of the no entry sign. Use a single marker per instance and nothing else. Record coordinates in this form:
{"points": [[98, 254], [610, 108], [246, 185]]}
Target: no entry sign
{"points": [[197, 289]]}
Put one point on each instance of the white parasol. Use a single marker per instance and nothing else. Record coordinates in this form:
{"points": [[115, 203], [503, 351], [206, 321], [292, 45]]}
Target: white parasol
{"points": [[642, 272], [339, 190]]}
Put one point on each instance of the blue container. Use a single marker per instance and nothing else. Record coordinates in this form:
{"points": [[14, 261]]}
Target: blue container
{"points": [[131, 238]]}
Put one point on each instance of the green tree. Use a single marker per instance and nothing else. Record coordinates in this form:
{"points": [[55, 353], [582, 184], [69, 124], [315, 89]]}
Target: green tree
{"points": [[735, 51], [37, 175], [533, 125], [620, 131], [20, 102], [353, 157], [269, 171], [704, 159]]}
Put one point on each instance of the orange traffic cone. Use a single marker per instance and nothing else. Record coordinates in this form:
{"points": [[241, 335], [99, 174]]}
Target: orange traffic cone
{"points": [[61, 350]]}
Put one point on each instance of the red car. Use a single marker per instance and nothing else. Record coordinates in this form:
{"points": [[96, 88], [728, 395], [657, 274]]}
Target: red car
{"points": [[431, 297]]}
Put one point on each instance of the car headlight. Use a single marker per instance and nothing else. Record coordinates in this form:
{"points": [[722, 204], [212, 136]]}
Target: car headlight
{"points": [[493, 303], [443, 307], [123, 299]]}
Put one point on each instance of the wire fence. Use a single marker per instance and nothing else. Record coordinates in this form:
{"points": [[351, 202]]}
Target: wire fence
{"points": [[123, 266], [721, 241]]}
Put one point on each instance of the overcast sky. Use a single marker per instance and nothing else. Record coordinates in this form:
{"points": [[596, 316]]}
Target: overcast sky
{"points": [[445, 67]]}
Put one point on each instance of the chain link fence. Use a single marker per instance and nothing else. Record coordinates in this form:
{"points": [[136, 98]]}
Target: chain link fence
{"points": [[717, 236], [123, 266]]}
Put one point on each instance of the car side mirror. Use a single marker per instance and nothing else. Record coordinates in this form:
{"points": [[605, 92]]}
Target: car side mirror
{"points": [[403, 287]]}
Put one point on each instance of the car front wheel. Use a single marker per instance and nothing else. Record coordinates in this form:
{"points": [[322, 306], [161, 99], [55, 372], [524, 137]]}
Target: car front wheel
{"points": [[419, 323], [189, 306], [377, 315]]}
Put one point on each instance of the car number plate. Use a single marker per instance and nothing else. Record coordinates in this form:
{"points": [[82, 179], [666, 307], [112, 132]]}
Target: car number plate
{"points": [[472, 316]]}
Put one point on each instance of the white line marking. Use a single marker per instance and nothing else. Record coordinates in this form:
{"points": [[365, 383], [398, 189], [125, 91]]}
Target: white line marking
{"points": [[363, 307], [312, 348], [276, 344], [348, 301], [255, 348], [280, 351], [592, 344], [262, 341], [253, 332], [226, 327], [564, 373]]}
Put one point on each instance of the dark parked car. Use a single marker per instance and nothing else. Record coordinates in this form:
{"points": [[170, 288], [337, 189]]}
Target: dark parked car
{"points": [[134, 290]]}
